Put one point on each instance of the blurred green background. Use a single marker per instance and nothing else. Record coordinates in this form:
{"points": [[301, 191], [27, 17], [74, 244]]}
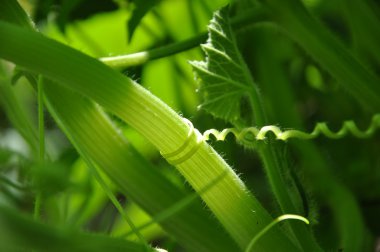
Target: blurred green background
{"points": [[104, 28]]}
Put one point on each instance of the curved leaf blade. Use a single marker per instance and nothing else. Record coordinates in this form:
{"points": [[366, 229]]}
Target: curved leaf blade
{"points": [[141, 8]]}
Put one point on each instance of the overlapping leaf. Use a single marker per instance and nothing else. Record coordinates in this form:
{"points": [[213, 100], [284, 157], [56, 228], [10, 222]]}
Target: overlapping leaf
{"points": [[223, 76], [141, 8]]}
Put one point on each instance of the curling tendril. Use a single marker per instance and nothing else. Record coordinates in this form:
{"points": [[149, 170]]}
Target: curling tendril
{"points": [[248, 135], [321, 128]]}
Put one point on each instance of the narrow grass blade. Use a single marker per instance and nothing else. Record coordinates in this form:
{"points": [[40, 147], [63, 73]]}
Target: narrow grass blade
{"points": [[20, 233]]}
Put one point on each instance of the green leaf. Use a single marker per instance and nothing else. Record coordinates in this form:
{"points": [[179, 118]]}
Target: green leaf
{"points": [[5, 155], [50, 178], [141, 8], [11, 15], [224, 82], [21, 233], [17, 113], [326, 49]]}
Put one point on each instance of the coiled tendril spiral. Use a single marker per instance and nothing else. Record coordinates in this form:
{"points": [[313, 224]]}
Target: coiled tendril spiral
{"points": [[253, 133], [248, 136]]}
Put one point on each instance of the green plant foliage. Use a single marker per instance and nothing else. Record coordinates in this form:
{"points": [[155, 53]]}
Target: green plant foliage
{"points": [[20, 233], [124, 99], [69, 11], [223, 77], [274, 222], [232, 71], [101, 117], [141, 7]]}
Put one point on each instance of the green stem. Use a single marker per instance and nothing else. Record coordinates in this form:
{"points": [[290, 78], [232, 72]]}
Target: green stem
{"points": [[41, 119], [334, 57], [115, 202], [41, 138], [273, 223], [275, 170], [88, 128], [37, 206], [139, 58], [318, 175], [153, 119], [273, 166], [17, 114]]}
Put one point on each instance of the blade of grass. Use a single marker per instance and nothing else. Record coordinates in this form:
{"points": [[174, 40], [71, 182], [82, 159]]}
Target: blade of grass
{"points": [[41, 140], [20, 233], [115, 202]]}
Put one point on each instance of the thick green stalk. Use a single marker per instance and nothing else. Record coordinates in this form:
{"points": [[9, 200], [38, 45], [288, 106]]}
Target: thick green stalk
{"points": [[326, 49], [89, 128], [93, 134], [153, 119]]}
